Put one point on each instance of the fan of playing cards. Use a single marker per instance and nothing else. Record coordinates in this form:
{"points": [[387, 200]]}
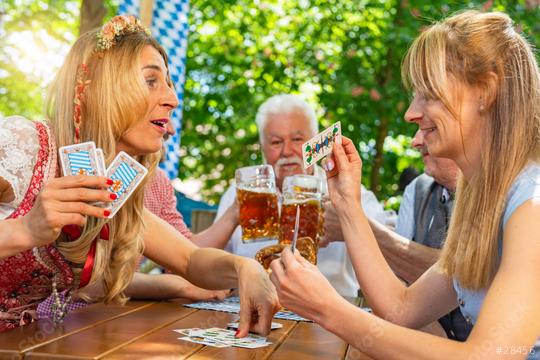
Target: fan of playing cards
{"points": [[221, 338], [125, 172]]}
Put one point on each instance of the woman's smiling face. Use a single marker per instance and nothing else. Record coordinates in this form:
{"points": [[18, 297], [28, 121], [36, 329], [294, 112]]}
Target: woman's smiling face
{"points": [[446, 136]]}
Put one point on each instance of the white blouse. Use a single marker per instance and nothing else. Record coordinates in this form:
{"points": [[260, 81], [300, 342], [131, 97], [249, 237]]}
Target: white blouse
{"points": [[19, 146]]}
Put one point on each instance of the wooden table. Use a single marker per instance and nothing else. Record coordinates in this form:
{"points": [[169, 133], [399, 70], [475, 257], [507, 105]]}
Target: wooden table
{"points": [[143, 330]]}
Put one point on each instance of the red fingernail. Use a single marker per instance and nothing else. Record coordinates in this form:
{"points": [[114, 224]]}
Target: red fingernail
{"points": [[113, 196], [236, 333], [106, 213], [109, 182]]}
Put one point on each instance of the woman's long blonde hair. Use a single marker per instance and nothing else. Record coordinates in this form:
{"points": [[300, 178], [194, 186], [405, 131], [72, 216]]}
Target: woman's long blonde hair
{"points": [[468, 47], [114, 100]]}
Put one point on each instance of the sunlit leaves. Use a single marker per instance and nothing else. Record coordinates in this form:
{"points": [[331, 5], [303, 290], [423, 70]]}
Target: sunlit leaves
{"points": [[343, 55]]}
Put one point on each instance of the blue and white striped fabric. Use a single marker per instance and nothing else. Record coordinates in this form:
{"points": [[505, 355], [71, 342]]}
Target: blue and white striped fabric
{"points": [[126, 175], [170, 27], [79, 163]]}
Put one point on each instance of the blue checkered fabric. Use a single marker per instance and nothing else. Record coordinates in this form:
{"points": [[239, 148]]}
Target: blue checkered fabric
{"points": [[130, 7], [170, 27]]}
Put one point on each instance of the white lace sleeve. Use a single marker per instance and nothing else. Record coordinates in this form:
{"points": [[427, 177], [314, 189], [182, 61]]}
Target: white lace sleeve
{"points": [[19, 146]]}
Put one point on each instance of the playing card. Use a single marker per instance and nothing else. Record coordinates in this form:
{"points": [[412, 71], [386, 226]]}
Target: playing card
{"points": [[274, 326], [186, 332], [102, 169], [126, 174], [250, 345], [226, 336], [79, 159], [232, 305], [320, 145], [204, 341]]}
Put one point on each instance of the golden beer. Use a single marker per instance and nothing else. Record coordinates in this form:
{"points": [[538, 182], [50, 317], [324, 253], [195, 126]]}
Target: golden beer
{"points": [[310, 220], [304, 192], [259, 216], [258, 203]]}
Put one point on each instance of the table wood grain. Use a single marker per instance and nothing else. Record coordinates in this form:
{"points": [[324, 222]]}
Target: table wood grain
{"points": [[144, 330]]}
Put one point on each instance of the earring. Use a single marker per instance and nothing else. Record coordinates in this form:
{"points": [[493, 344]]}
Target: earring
{"points": [[481, 108]]}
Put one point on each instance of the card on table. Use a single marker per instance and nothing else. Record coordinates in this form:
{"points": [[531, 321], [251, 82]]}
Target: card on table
{"points": [[204, 341], [232, 305], [274, 326], [320, 145], [126, 174], [79, 159], [227, 337], [219, 337], [186, 332]]}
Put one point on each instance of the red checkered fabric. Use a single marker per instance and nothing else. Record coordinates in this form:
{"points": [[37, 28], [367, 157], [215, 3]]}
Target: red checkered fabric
{"points": [[159, 199]]}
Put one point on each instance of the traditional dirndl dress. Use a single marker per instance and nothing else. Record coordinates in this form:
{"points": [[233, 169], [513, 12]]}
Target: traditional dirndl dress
{"points": [[26, 278]]}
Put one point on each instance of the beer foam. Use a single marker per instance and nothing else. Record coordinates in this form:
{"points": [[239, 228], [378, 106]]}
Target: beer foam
{"points": [[295, 201], [247, 187], [306, 182]]}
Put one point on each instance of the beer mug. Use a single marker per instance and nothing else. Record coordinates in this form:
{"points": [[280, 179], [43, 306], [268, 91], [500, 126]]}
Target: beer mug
{"points": [[258, 203], [304, 191]]}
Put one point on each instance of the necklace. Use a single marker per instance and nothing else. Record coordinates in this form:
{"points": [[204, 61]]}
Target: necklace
{"points": [[59, 304]]}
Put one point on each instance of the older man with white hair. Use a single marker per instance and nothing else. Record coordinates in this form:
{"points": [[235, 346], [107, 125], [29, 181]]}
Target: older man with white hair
{"points": [[285, 122]]}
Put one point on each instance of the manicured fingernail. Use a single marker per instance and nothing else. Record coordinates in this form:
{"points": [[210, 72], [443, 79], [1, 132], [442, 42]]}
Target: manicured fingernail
{"points": [[329, 165], [106, 213], [109, 182], [236, 333], [113, 196]]}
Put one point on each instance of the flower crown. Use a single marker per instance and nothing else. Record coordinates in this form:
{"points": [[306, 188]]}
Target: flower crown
{"points": [[117, 27]]}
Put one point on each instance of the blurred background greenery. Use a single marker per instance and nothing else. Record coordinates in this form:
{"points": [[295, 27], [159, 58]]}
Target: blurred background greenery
{"points": [[343, 56]]}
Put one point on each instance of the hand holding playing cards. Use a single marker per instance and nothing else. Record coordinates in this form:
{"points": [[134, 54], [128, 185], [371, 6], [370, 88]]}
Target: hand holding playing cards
{"points": [[344, 173], [301, 287], [64, 201], [258, 299]]}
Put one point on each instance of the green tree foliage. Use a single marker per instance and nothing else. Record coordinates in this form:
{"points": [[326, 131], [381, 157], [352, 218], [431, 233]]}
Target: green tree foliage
{"points": [[20, 89], [344, 56], [45, 24]]}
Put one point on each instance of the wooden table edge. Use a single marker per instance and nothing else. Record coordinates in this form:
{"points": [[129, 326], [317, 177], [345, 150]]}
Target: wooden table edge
{"points": [[23, 352]]}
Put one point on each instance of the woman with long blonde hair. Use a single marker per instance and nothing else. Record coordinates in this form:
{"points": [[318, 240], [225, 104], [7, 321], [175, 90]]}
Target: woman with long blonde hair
{"points": [[114, 89], [476, 87]]}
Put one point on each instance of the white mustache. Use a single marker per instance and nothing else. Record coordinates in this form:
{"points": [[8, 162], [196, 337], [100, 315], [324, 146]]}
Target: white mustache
{"points": [[287, 161]]}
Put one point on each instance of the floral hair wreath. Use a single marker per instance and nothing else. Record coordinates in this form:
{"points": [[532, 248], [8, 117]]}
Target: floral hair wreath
{"points": [[107, 37], [117, 27]]}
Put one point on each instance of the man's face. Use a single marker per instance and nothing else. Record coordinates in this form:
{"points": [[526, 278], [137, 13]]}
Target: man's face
{"points": [[444, 171], [283, 137]]}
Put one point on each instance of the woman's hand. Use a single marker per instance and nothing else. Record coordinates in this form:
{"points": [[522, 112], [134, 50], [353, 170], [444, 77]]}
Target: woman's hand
{"points": [[301, 287], [64, 201], [344, 174], [195, 293], [258, 299]]}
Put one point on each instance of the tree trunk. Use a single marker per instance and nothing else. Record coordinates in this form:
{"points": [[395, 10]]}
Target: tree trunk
{"points": [[383, 79], [147, 7], [531, 4], [378, 160], [92, 14]]}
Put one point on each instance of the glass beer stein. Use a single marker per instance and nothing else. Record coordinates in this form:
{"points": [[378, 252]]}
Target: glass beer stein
{"points": [[258, 203], [305, 191]]}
